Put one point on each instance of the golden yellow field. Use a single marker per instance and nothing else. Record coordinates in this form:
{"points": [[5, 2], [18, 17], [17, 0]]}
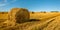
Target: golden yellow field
{"points": [[45, 21], [3, 16], [36, 15], [43, 16]]}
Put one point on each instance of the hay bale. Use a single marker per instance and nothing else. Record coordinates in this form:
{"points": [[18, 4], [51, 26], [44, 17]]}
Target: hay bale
{"points": [[19, 15], [16, 15]]}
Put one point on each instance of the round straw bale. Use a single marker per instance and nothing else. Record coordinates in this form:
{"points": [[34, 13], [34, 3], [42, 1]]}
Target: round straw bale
{"points": [[19, 15]]}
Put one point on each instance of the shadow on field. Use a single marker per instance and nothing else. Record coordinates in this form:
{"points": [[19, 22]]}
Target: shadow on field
{"points": [[30, 20], [33, 20]]}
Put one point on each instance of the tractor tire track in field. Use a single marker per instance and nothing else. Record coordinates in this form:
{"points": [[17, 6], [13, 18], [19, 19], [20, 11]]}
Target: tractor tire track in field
{"points": [[42, 25], [50, 24], [54, 25]]}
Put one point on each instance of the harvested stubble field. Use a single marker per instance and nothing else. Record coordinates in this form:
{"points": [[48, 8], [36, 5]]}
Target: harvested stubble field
{"points": [[38, 21]]}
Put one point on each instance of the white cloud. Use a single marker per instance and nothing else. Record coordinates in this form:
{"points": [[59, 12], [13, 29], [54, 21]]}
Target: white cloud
{"points": [[13, 0], [10, 0], [5, 2], [2, 3]]}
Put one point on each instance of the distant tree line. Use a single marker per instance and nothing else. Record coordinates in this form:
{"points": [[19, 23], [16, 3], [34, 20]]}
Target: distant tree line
{"points": [[54, 11], [3, 12], [43, 11], [33, 12]]}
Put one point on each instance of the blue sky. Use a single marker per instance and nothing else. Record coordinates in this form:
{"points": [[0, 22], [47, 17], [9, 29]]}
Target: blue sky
{"points": [[31, 5]]}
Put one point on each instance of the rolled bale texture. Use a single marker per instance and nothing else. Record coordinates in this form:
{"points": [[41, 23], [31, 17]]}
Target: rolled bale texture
{"points": [[19, 15]]}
